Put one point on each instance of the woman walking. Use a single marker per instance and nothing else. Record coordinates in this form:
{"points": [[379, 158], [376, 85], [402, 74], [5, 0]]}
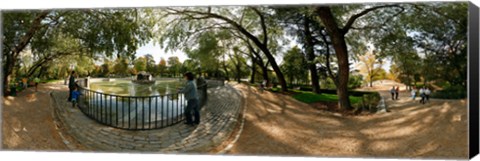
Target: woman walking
{"points": [[71, 85]]}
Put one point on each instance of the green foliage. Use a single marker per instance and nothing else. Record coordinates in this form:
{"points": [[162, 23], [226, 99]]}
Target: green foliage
{"points": [[451, 92], [64, 33], [140, 64], [437, 31], [294, 65], [162, 67], [151, 67], [174, 65], [369, 101], [355, 81], [121, 67], [310, 97]]}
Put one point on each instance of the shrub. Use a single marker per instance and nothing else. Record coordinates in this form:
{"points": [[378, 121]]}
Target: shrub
{"points": [[451, 92], [309, 97], [369, 101]]}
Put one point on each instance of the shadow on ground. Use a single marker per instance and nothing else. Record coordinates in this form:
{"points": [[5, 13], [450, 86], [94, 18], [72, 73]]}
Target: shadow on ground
{"points": [[279, 125]]}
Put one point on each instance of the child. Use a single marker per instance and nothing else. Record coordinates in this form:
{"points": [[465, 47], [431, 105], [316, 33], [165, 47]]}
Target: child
{"points": [[24, 81], [75, 95]]}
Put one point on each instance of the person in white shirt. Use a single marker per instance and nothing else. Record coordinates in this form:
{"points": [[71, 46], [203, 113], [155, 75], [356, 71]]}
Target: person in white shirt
{"points": [[427, 94], [422, 95]]}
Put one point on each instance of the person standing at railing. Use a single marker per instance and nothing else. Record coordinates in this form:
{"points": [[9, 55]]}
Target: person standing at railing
{"points": [[191, 95], [71, 85]]}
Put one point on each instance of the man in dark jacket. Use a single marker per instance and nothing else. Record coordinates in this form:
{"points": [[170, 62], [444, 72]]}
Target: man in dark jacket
{"points": [[71, 85], [191, 95]]}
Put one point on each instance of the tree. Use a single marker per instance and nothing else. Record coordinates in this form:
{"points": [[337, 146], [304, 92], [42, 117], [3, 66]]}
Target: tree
{"points": [[294, 65], [140, 64], [439, 42], [337, 36], [371, 67], [103, 31], [300, 22], [150, 64], [174, 65], [162, 66], [121, 67], [223, 18]]}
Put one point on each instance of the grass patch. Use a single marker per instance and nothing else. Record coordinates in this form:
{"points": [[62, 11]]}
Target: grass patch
{"points": [[310, 97]]}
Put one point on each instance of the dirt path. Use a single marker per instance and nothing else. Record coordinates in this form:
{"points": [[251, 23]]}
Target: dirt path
{"points": [[27, 121], [279, 125]]}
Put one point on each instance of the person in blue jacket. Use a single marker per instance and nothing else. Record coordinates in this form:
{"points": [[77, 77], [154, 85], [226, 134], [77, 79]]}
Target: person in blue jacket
{"points": [[191, 95], [75, 95]]}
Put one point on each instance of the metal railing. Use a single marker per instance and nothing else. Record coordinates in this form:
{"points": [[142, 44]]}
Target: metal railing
{"points": [[136, 112]]}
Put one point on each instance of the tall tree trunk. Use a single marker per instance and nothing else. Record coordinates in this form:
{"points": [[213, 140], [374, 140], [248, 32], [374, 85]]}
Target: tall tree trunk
{"points": [[338, 40], [311, 56], [371, 82], [265, 74], [254, 70], [238, 72]]}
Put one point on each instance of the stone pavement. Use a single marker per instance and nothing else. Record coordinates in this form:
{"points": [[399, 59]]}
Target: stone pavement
{"points": [[219, 117]]}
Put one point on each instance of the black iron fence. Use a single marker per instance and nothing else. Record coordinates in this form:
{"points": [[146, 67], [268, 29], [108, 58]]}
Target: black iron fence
{"points": [[136, 112]]}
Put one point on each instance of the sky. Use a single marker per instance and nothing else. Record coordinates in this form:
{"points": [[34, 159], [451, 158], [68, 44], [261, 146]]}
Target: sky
{"points": [[158, 53]]}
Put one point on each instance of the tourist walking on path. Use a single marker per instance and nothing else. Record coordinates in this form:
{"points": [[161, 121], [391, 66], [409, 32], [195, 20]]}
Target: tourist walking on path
{"points": [[263, 85], [427, 94], [24, 82], [392, 91], [191, 95], [36, 80], [422, 95], [71, 85], [396, 92], [413, 93]]}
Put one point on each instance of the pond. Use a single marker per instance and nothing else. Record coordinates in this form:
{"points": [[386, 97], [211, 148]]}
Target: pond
{"points": [[128, 88], [124, 104]]}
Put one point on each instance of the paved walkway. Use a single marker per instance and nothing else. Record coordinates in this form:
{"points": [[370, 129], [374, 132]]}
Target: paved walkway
{"points": [[28, 122], [277, 124], [219, 117]]}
